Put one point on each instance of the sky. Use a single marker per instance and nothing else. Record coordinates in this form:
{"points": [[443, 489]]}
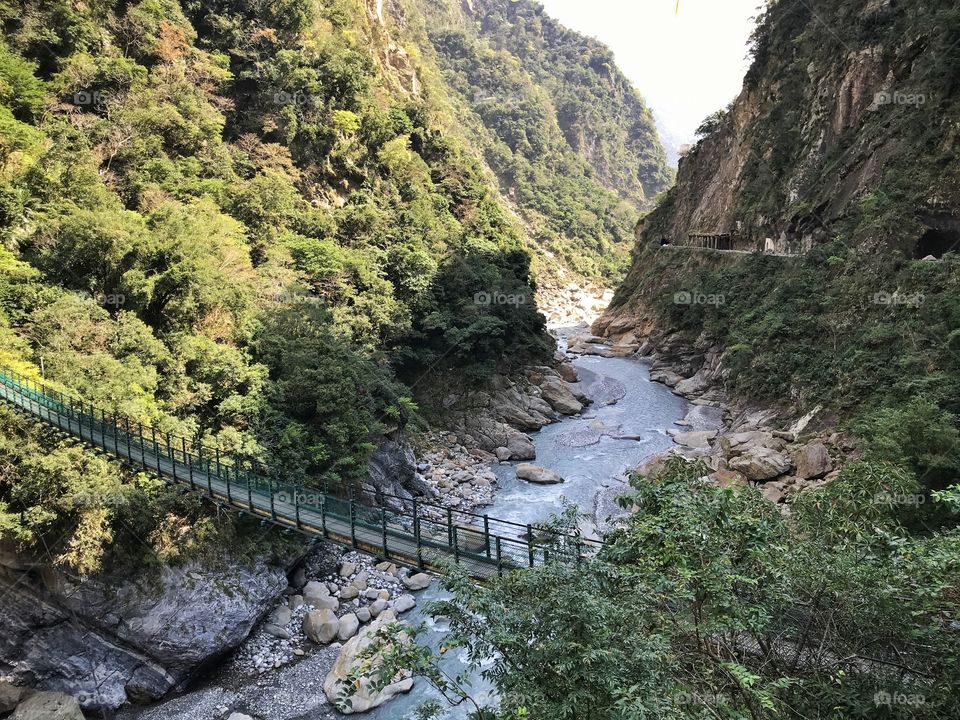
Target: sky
{"points": [[686, 63]]}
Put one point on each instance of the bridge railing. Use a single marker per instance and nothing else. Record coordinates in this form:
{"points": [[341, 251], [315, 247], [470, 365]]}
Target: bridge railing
{"points": [[407, 529]]}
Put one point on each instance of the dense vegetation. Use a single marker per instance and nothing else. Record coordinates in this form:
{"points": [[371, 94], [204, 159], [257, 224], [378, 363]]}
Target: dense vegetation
{"points": [[873, 337], [708, 603], [848, 143], [260, 225], [571, 141]]}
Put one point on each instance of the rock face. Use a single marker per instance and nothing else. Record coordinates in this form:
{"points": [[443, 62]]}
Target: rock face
{"points": [[49, 706], [813, 461], [108, 641], [497, 417], [392, 470], [364, 698], [321, 626], [760, 463], [537, 474]]}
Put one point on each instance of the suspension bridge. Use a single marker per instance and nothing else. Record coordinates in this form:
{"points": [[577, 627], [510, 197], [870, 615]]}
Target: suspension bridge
{"points": [[404, 530]]}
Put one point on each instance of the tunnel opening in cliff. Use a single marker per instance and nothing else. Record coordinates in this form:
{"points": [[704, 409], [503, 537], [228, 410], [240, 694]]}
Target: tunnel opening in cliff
{"points": [[937, 242]]}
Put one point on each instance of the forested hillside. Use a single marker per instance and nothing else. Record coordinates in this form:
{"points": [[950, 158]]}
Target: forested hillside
{"points": [[262, 225], [558, 123], [840, 152]]}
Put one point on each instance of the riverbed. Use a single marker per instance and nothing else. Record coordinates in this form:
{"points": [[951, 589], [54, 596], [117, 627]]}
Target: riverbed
{"points": [[627, 423]]}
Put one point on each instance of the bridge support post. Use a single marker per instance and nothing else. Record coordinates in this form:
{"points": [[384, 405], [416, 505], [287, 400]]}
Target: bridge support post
{"points": [[126, 422], [229, 496], [173, 460], [416, 535], [353, 524], [296, 504], [323, 515], [456, 547], [499, 558], [273, 507], [116, 436], [450, 528], [188, 461], [156, 449], [486, 532], [383, 524], [530, 550], [249, 494]]}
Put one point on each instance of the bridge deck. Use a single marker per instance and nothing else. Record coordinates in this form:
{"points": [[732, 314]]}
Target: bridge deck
{"points": [[410, 536]]}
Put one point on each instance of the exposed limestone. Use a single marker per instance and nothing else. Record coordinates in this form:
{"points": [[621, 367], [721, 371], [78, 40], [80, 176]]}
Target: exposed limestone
{"points": [[537, 474], [48, 706], [813, 461], [363, 698], [760, 463]]}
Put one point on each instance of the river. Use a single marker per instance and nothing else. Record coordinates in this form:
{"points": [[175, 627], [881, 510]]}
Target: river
{"points": [[627, 423]]}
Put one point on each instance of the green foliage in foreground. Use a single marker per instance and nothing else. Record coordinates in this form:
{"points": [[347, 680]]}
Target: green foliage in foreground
{"points": [[708, 603]]}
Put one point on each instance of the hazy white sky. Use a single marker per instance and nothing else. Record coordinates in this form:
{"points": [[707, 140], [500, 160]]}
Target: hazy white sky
{"points": [[687, 64]]}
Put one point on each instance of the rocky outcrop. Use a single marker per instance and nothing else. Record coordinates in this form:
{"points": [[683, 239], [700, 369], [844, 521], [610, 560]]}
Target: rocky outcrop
{"points": [[813, 461], [538, 475], [760, 463], [496, 418], [843, 135], [49, 706], [110, 640], [363, 697], [392, 473]]}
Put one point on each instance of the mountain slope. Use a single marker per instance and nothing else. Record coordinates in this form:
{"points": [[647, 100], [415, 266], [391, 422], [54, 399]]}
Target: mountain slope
{"points": [[840, 152]]}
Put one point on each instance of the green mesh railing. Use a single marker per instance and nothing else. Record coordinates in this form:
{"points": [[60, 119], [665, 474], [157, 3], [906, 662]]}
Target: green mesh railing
{"points": [[409, 531]]}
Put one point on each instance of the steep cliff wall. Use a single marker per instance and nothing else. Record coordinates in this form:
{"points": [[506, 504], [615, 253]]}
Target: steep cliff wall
{"points": [[841, 154], [846, 125]]}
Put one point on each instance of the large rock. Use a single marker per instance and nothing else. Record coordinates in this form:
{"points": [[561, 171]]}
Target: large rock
{"points": [[392, 469], [560, 397], [10, 697], [314, 592], [363, 698], [760, 463], [813, 461], [417, 582], [321, 626], [349, 624], [49, 706], [404, 603], [520, 446], [568, 372], [144, 632], [537, 474], [698, 439]]}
